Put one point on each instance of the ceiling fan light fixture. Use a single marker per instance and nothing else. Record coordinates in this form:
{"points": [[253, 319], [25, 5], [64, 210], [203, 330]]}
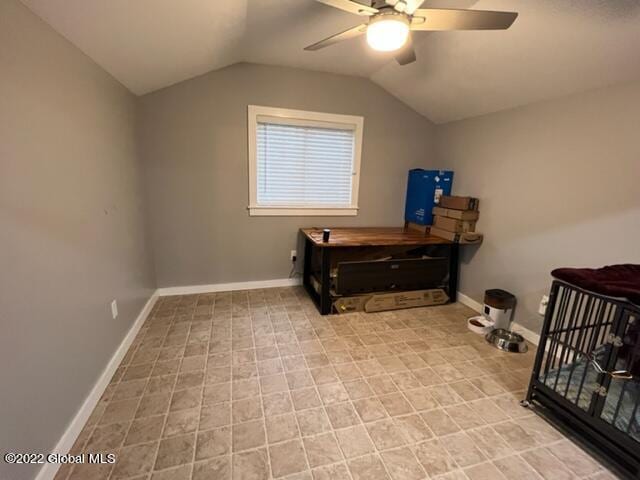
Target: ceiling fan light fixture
{"points": [[387, 32]]}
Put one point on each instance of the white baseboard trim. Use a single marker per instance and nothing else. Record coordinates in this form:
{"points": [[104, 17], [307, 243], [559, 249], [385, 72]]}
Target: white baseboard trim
{"points": [[227, 287], [49, 470], [529, 335], [470, 302]]}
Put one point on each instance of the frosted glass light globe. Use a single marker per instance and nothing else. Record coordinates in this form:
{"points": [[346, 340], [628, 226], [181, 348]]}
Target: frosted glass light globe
{"points": [[388, 34]]}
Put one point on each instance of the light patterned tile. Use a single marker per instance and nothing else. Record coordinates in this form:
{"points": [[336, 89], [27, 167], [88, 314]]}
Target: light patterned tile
{"points": [[548, 466], [354, 441], [322, 450], [434, 458], [250, 465], [402, 464], [574, 458], [305, 398], [463, 449], [144, 430], [134, 460], [396, 404], [282, 427], [287, 458], [386, 434], [245, 410], [342, 415], [314, 421], [369, 467], [336, 471], [413, 428], [213, 443], [175, 451], [464, 416], [490, 443], [370, 409], [248, 435], [515, 467], [439, 422], [230, 356], [332, 393]]}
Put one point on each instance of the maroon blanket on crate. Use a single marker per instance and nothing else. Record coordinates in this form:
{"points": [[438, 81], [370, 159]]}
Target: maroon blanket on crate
{"points": [[622, 281]]}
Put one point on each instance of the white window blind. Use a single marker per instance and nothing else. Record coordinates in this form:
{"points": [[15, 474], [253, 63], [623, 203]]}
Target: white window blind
{"points": [[304, 165]]}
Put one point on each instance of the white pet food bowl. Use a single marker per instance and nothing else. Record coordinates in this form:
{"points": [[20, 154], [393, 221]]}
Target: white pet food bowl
{"points": [[480, 325]]}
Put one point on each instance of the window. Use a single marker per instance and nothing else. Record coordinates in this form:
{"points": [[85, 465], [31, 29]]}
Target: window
{"points": [[303, 163]]}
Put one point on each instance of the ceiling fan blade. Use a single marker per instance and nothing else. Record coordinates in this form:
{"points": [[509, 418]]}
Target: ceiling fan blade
{"points": [[339, 37], [438, 19], [413, 5], [350, 6], [406, 54]]}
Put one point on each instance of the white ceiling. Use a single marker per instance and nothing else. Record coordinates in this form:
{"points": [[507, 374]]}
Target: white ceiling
{"points": [[555, 47]]}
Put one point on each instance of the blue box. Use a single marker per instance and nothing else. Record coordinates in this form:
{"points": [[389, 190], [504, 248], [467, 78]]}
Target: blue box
{"points": [[424, 189]]}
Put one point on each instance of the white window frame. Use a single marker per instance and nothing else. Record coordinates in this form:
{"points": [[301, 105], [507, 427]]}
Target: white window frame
{"points": [[302, 117]]}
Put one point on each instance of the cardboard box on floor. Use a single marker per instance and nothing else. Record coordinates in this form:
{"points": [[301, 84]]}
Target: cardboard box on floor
{"points": [[381, 302], [454, 225]]}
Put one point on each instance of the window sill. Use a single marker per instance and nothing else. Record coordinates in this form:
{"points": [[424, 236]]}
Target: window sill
{"points": [[302, 212]]}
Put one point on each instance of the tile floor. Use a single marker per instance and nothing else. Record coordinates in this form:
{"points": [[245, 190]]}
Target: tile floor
{"points": [[254, 385]]}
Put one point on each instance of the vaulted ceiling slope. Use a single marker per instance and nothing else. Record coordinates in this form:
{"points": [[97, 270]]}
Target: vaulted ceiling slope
{"points": [[555, 47]]}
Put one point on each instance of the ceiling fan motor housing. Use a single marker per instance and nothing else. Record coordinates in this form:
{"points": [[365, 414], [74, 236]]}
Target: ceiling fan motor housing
{"points": [[389, 14], [399, 5]]}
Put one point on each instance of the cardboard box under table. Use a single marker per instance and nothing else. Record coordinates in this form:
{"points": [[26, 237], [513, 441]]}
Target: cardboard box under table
{"points": [[359, 261], [382, 302]]}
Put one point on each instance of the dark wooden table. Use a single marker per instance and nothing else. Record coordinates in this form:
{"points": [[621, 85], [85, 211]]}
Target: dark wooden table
{"points": [[365, 237]]}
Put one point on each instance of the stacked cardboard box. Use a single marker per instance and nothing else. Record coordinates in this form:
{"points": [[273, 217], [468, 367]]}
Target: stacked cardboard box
{"points": [[455, 219]]}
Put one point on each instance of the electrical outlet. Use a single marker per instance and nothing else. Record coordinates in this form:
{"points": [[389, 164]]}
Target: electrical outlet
{"points": [[542, 308], [294, 255], [114, 309]]}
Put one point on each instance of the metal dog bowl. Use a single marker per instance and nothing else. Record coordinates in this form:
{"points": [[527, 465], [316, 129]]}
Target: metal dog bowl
{"points": [[507, 341]]}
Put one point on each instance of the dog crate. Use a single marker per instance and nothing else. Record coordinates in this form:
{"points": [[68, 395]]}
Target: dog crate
{"points": [[587, 370]]}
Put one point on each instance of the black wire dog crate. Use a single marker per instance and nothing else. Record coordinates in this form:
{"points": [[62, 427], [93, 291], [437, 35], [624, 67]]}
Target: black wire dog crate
{"points": [[587, 371]]}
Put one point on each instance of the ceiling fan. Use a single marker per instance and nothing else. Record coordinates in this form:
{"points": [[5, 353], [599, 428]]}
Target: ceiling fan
{"points": [[391, 22]]}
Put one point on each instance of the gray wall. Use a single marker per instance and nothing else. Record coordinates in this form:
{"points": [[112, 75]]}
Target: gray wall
{"points": [[558, 183], [194, 142], [71, 230]]}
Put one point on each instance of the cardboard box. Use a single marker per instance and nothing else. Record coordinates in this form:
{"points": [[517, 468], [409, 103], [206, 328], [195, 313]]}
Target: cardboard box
{"points": [[416, 227], [351, 304], [454, 225], [424, 189], [458, 214], [459, 203], [399, 300], [381, 302], [466, 238]]}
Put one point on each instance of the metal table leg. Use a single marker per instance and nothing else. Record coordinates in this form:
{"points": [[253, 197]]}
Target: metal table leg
{"points": [[325, 281], [454, 254]]}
